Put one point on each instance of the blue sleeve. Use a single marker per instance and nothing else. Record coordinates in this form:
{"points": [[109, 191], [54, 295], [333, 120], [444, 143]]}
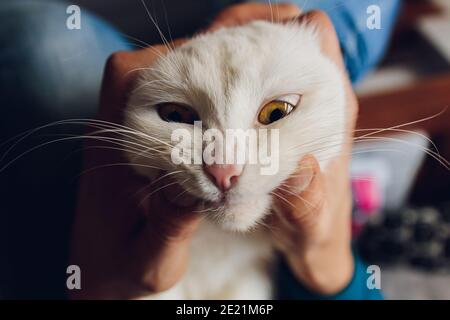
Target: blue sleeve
{"points": [[291, 289], [362, 47]]}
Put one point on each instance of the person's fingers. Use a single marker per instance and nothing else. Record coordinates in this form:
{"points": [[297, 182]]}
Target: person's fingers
{"points": [[178, 196], [171, 211], [121, 64], [121, 70], [240, 14], [159, 251], [302, 195]]}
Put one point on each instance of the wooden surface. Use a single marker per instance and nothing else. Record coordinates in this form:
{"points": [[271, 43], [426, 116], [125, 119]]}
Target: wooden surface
{"points": [[429, 97]]}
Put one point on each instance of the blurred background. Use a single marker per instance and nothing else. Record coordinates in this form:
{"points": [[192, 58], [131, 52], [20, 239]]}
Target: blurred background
{"points": [[405, 225], [400, 180]]}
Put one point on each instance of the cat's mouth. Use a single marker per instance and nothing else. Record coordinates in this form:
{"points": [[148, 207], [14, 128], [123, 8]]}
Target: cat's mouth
{"points": [[228, 200], [178, 195], [221, 202], [231, 210], [235, 210]]}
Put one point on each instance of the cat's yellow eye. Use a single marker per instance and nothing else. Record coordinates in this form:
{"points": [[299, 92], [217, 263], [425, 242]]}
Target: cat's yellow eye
{"points": [[172, 112], [278, 109]]}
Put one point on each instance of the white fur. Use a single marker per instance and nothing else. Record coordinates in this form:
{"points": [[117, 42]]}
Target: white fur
{"points": [[226, 76]]}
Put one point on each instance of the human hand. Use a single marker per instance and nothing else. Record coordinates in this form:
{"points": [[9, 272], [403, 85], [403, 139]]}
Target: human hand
{"points": [[312, 228], [126, 243]]}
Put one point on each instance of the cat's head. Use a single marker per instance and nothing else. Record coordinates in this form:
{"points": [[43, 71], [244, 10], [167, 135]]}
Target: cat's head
{"points": [[258, 76]]}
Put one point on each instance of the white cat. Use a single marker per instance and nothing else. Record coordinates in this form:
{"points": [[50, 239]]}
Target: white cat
{"points": [[226, 79]]}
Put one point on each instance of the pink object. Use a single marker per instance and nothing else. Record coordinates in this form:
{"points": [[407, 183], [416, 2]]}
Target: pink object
{"points": [[224, 176], [367, 194]]}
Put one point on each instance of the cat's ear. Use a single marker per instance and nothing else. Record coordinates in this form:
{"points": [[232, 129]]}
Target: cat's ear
{"points": [[323, 30]]}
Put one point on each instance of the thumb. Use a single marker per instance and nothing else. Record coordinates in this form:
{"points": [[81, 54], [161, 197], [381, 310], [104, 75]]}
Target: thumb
{"points": [[171, 211], [302, 195]]}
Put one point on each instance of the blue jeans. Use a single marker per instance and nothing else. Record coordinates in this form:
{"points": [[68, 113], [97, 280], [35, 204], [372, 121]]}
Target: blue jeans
{"points": [[362, 47], [50, 73]]}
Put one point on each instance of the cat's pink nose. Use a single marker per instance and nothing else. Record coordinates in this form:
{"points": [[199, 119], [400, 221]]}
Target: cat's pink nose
{"points": [[224, 176]]}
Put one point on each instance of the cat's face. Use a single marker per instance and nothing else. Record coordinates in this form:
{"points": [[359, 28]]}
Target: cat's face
{"points": [[226, 80]]}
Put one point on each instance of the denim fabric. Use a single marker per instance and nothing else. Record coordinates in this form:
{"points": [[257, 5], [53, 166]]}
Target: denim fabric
{"points": [[362, 47]]}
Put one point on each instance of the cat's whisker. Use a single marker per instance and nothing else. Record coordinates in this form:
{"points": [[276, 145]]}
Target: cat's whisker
{"points": [[144, 153], [158, 29], [211, 209], [304, 4], [167, 21], [169, 45], [131, 44], [156, 190], [367, 138], [147, 84], [359, 177], [282, 198], [157, 180], [317, 140], [262, 224], [123, 164], [120, 142], [86, 122], [295, 194], [119, 133], [406, 124], [146, 46], [180, 194], [148, 156], [142, 150], [402, 131], [133, 134], [204, 210], [428, 151], [152, 69], [376, 131], [271, 11], [143, 43], [185, 188], [331, 156]]}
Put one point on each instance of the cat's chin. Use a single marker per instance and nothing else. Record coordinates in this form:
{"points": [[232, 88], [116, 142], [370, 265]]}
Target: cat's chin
{"points": [[243, 215]]}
